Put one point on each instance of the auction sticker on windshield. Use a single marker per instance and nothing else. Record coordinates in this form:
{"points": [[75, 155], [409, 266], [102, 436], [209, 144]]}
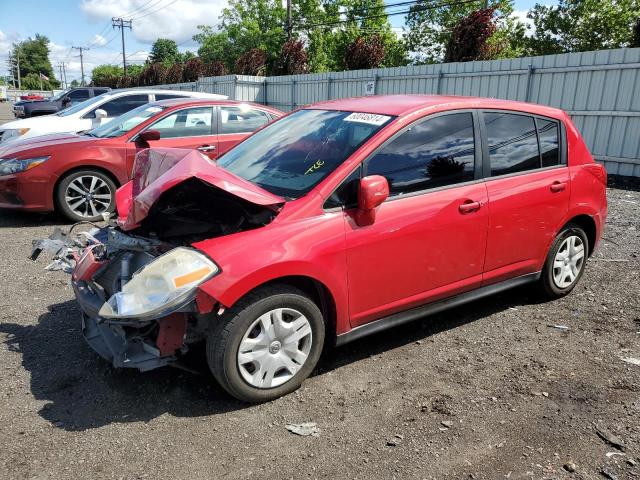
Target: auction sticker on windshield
{"points": [[370, 118]]}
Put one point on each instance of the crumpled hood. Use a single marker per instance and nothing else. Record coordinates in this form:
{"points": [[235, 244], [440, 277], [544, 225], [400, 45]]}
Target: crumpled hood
{"points": [[157, 170]]}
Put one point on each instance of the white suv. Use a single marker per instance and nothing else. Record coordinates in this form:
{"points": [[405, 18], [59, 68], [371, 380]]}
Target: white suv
{"points": [[91, 113]]}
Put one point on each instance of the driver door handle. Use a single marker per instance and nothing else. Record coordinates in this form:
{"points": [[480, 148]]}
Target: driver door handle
{"points": [[558, 186], [207, 148]]}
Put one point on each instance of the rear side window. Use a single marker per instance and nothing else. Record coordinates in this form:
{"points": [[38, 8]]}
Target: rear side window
{"points": [[78, 96], [549, 145], [167, 96], [240, 120], [120, 105], [513, 143], [436, 152]]}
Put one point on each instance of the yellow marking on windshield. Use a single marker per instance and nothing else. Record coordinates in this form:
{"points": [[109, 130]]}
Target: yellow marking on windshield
{"points": [[314, 167]]}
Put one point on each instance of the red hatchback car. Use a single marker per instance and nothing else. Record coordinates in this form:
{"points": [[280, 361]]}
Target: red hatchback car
{"points": [[339, 220], [79, 174]]}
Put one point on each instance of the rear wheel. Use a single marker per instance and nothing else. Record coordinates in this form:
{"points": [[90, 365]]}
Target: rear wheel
{"points": [[267, 344], [86, 195], [565, 262]]}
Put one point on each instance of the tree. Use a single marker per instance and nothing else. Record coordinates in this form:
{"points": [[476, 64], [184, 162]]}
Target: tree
{"points": [[429, 27], [214, 46], [469, 39], [364, 53], [292, 59], [164, 51], [582, 25], [214, 69], [174, 73], [153, 74], [193, 69], [74, 83], [106, 76], [33, 55], [251, 63]]}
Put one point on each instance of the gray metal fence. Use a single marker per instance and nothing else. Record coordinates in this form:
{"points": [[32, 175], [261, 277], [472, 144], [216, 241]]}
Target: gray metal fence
{"points": [[600, 90]]}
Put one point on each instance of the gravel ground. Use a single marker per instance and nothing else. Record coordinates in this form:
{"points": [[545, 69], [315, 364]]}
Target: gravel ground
{"points": [[485, 391]]}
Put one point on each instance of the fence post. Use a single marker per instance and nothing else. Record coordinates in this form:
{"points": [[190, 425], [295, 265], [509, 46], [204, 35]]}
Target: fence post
{"points": [[439, 83], [264, 91], [293, 94], [235, 88], [375, 83], [329, 80], [531, 70]]}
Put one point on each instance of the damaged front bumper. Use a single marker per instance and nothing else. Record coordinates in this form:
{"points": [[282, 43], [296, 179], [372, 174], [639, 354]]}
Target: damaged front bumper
{"points": [[102, 262]]}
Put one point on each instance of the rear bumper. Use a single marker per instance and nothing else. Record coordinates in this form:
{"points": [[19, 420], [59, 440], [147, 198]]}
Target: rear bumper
{"points": [[26, 192]]}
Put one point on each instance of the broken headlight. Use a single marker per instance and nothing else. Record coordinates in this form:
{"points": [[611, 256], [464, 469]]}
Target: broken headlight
{"points": [[9, 166], [161, 286]]}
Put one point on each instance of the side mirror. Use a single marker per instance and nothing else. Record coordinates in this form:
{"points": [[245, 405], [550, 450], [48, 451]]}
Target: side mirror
{"points": [[66, 101], [147, 136], [100, 114], [373, 191]]}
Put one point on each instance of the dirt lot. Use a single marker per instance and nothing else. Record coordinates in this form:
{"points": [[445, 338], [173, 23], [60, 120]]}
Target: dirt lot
{"points": [[491, 390]]}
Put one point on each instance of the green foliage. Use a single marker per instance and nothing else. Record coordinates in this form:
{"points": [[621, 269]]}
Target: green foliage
{"points": [[33, 55], [74, 83], [106, 76], [164, 51], [428, 30], [582, 25]]}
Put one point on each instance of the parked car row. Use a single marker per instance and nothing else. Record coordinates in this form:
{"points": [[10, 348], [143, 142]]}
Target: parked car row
{"points": [[37, 106], [341, 219]]}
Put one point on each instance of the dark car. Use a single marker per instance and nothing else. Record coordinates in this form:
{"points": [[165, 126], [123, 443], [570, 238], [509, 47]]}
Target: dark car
{"points": [[64, 99]]}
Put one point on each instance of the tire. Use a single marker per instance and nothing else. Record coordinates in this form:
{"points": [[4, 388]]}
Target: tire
{"points": [[241, 325], [76, 207], [557, 281]]}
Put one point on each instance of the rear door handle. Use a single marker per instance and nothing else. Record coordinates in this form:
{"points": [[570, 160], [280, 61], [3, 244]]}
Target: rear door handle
{"points": [[207, 148], [469, 207], [558, 186]]}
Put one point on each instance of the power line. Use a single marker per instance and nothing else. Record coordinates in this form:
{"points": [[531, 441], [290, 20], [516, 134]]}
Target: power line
{"points": [[154, 10], [390, 14]]}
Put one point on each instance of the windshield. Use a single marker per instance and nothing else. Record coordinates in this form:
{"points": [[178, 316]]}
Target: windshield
{"points": [[124, 123], [82, 105], [292, 155], [58, 96]]}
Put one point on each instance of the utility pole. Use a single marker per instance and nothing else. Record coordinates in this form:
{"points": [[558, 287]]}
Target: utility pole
{"points": [[81, 62], [289, 26], [17, 53], [64, 75], [61, 77], [122, 24]]}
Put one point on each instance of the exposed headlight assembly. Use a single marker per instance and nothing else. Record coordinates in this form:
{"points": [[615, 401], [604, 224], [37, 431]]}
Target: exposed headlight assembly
{"points": [[12, 133], [9, 166], [162, 286]]}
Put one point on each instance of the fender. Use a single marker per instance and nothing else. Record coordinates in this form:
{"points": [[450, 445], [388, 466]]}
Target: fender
{"points": [[229, 293]]}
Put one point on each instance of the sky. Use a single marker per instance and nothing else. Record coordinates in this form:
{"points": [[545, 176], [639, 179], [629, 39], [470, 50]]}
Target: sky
{"points": [[87, 23]]}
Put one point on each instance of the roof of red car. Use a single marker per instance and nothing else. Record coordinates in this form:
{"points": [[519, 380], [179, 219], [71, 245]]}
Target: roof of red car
{"points": [[399, 105], [173, 102]]}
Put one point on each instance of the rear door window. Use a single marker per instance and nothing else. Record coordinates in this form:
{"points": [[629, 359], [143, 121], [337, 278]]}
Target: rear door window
{"points": [[437, 152], [78, 96], [513, 143]]}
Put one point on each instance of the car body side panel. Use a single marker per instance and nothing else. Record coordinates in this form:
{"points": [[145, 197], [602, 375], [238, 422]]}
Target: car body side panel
{"points": [[525, 215], [312, 248], [417, 247]]}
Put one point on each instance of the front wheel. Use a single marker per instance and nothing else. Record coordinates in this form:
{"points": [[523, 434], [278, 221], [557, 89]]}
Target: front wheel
{"points": [[267, 344], [565, 262], [86, 195]]}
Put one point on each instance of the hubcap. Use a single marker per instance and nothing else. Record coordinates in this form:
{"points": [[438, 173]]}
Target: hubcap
{"points": [[88, 196], [568, 262], [274, 348]]}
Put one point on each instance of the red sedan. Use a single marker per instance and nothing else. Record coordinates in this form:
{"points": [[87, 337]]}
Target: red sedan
{"points": [[339, 220], [79, 174]]}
